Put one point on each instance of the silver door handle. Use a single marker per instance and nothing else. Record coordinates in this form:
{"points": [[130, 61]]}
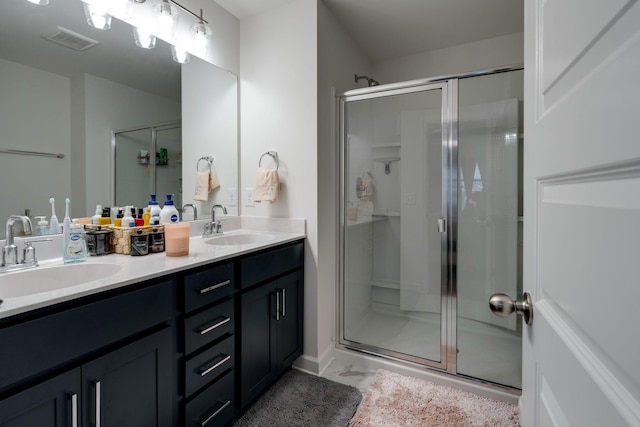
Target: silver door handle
{"points": [[214, 287], [277, 304], [284, 303], [501, 305], [74, 409], [206, 329]]}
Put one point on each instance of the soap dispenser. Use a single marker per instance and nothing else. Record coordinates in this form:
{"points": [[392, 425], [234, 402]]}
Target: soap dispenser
{"points": [[75, 246], [169, 213]]}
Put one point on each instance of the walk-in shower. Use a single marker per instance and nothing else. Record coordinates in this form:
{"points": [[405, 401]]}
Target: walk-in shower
{"points": [[430, 222], [147, 160]]}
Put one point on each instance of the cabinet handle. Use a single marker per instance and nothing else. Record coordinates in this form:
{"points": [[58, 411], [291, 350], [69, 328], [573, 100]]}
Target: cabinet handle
{"points": [[277, 304], [206, 329], [98, 399], [215, 413], [74, 409], [284, 303], [214, 287], [205, 371]]}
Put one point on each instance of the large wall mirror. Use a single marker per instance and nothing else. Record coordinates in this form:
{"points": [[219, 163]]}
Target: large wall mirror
{"points": [[58, 101]]}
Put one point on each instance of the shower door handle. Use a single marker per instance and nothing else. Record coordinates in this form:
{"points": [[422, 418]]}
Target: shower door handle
{"points": [[501, 305], [442, 225]]}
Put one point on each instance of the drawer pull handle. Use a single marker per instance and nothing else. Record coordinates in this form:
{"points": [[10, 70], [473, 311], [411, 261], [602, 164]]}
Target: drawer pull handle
{"points": [[74, 409], [206, 371], [98, 386], [207, 329], [214, 287], [212, 416]]}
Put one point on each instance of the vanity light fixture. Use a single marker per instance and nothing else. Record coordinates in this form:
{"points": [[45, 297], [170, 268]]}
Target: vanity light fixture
{"points": [[180, 55], [39, 2], [167, 17], [97, 13], [201, 35], [144, 38]]}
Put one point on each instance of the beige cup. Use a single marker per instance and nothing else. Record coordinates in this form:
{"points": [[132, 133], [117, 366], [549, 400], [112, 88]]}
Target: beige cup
{"points": [[352, 213], [176, 239]]}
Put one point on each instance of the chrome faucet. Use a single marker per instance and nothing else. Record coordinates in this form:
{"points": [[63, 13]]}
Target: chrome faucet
{"points": [[195, 210], [215, 226], [10, 250]]}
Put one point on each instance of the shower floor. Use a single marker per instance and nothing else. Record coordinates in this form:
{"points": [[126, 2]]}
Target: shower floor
{"points": [[485, 352]]}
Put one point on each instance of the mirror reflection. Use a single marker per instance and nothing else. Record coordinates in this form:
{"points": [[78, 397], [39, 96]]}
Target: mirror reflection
{"points": [[70, 103]]}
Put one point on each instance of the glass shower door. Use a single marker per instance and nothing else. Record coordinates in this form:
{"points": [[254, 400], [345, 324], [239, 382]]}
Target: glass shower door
{"points": [[394, 200], [489, 242]]}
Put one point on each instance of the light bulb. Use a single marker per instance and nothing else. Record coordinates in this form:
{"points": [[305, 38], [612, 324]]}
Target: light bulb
{"points": [[180, 55], [144, 38], [167, 16], [97, 14], [201, 34]]}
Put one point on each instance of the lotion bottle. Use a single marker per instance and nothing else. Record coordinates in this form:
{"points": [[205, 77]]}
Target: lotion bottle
{"points": [[154, 211], [75, 246], [169, 213]]}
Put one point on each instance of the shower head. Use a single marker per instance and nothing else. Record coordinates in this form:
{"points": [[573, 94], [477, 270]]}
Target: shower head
{"points": [[370, 81]]}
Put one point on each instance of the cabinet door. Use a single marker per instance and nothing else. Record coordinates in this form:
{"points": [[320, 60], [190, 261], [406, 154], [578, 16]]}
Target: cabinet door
{"points": [[53, 403], [258, 341], [289, 291], [130, 387]]}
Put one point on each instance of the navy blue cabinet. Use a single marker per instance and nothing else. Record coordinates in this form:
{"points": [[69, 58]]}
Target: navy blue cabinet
{"points": [[101, 363], [271, 322]]}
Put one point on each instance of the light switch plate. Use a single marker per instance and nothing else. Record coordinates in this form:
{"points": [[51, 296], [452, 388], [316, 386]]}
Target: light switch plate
{"points": [[249, 197]]}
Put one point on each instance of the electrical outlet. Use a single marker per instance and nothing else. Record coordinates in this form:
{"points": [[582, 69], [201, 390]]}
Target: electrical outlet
{"points": [[233, 197], [249, 197]]}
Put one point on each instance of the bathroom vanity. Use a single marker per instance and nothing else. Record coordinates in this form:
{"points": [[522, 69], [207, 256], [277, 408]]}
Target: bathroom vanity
{"points": [[193, 345]]}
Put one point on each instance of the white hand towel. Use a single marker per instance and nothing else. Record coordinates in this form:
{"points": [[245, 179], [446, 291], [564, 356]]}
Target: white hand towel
{"points": [[267, 186], [214, 183], [202, 186]]}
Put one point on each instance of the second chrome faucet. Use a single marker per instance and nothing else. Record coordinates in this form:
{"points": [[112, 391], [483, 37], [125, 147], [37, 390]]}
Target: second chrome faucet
{"points": [[215, 226]]}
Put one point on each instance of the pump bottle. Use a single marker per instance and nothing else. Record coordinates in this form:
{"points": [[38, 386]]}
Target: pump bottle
{"points": [[169, 213]]}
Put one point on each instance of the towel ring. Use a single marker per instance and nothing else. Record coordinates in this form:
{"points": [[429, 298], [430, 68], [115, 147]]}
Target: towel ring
{"points": [[273, 155], [208, 159]]}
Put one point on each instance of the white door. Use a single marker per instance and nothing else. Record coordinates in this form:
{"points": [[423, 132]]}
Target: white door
{"points": [[581, 355]]}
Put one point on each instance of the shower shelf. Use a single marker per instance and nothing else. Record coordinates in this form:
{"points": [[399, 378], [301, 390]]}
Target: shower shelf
{"points": [[385, 284], [386, 144]]}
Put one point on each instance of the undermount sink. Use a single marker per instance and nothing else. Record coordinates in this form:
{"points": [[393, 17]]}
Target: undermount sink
{"points": [[240, 239], [44, 279]]}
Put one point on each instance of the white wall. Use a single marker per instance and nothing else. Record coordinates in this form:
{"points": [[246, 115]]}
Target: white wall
{"points": [[481, 55], [278, 87], [36, 119], [339, 58]]}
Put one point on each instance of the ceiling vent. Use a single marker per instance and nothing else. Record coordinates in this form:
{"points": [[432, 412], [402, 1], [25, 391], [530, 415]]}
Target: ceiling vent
{"points": [[72, 40]]}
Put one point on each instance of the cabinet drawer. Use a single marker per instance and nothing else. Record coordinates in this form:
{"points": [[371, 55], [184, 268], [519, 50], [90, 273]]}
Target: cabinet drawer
{"points": [[207, 286], [261, 267], [205, 367], [207, 326], [214, 407]]}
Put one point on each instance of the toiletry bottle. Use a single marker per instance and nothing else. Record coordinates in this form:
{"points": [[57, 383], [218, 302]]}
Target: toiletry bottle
{"points": [[154, 211], [146, 216], [138, 219], [118, 221], [105, 219], [127, 219], [169, 213], [42, 226], [75, 246], [95, 219]]}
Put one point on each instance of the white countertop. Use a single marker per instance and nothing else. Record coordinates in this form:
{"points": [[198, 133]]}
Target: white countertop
{"points": [[135, 269]]}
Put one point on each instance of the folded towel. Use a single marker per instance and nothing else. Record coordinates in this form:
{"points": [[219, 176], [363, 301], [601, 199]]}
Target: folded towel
{"points": [[214, 183], [267, 185], [202, 186]]}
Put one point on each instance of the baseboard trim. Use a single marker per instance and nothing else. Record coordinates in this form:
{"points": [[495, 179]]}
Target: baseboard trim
{"points": [[315, 365]]}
